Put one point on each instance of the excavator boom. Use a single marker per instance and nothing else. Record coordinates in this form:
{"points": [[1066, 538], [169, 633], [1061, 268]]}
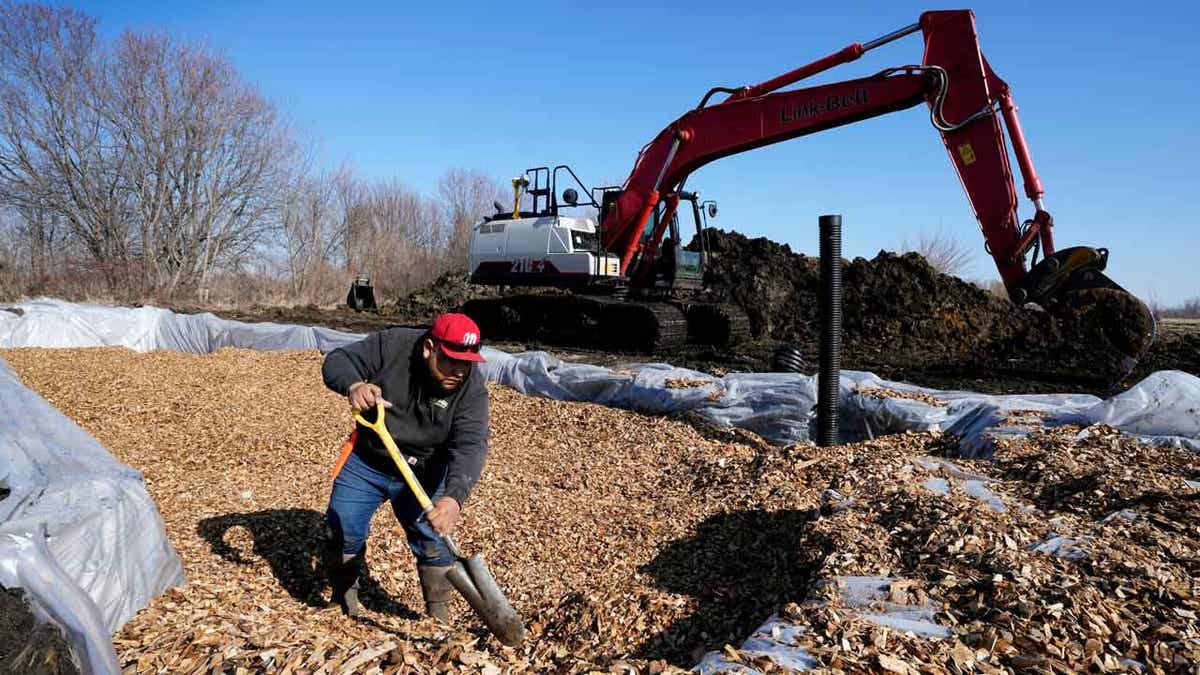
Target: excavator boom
{"points": [[759, 115]]}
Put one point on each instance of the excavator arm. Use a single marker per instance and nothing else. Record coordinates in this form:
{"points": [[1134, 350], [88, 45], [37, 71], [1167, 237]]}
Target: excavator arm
{"points": [[966, 100], [758, 115]]}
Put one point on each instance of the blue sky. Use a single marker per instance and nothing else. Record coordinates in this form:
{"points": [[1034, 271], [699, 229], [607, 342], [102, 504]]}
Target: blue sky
{"points": [[1107, 95]]}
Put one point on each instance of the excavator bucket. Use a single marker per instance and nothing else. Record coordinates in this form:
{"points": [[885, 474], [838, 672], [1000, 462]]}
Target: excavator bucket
{"points": [[1094, 309], [361, 297], [1122, 325]]}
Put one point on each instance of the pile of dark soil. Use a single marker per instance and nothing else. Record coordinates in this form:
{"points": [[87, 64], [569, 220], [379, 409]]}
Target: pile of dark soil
{"points": [[903, 320], [447, 294], [894, 303], [27, 646], [898, 309]]}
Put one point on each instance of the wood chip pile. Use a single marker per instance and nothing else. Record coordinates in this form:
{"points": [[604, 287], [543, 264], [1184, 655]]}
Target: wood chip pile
{"points": [[1121, 513], [884, 392], [632, 543]]}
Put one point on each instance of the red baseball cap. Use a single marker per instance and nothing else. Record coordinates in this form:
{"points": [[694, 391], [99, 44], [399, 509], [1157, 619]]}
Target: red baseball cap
{"points": [[457, 336]]}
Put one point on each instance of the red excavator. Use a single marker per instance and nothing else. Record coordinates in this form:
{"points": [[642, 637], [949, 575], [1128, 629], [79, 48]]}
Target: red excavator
{"points": [[626, 281]]}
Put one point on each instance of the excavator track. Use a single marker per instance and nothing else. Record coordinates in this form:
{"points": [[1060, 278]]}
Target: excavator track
{"points": [[631, 325], [604, 322], [717, 324]]}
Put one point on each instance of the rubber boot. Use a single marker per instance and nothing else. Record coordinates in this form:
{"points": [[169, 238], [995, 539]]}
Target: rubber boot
{"points": [[437, 591], [343, 579]]}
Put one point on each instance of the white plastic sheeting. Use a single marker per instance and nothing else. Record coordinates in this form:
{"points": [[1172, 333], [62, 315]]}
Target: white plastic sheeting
{"points": [[1163, 409], [27, 563], [78, 531], [55, 323], [779, 406]]}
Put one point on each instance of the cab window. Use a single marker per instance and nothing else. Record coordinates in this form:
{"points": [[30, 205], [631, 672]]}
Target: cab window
{"points": [[583, 241]]}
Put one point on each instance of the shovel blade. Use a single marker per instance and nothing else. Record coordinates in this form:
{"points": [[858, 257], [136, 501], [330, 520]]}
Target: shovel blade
{"points": [[474, 581], [460, 579]]}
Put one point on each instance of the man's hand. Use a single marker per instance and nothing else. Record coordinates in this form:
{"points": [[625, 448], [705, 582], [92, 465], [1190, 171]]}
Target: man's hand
{"points": [[364, 395], [445, 515]]}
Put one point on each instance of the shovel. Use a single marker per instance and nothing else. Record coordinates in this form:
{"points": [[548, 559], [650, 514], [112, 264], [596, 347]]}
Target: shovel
{"points": [[469, 576]]}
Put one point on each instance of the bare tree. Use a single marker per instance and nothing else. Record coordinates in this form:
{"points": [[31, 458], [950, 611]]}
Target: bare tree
{"points": [[943, 252], [393, 233], [352, 195], [11, 279], [57, 154], [313, 229], [466, 197], [153, 153], [208, 154], [40, 239]]}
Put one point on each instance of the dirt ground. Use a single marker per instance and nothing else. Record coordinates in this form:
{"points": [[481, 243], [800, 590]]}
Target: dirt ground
{"points": [[27, 646]]}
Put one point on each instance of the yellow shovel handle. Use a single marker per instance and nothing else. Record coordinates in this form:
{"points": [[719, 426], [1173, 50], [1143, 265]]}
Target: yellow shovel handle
{"points": [[380, 429], [379, 426]]}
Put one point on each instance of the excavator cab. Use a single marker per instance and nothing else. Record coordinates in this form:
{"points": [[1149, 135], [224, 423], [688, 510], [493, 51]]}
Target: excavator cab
{"points": [[680, 265]]}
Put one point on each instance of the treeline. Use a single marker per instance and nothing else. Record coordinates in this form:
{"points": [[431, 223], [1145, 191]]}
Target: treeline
{"points": [[1190, 309], [146, 168]]}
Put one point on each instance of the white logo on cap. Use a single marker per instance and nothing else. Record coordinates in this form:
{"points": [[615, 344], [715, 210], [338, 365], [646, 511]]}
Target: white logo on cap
{"points": [[470, 338]]}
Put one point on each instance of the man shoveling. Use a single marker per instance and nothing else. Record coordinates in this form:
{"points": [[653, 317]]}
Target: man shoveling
{"points": [[435, 406]]}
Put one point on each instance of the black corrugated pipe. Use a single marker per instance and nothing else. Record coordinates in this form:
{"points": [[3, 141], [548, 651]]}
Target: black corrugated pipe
{"points": [[829, 375], [788, 359]]}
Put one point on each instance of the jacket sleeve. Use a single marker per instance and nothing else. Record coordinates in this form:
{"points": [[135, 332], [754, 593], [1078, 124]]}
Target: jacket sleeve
{"points": [[468, 442], [356, 362]]}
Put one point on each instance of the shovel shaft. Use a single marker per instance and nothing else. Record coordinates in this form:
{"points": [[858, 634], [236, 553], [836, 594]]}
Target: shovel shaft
{"points": [[410, 479]]}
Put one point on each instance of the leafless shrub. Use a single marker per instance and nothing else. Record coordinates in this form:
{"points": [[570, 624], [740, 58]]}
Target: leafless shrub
{"points": [[396, 236], [993, 286], [312, 229], [943, 252]]}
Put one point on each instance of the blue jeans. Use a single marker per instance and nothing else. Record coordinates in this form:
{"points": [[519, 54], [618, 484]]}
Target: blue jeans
{"points": [[357, 493]]}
